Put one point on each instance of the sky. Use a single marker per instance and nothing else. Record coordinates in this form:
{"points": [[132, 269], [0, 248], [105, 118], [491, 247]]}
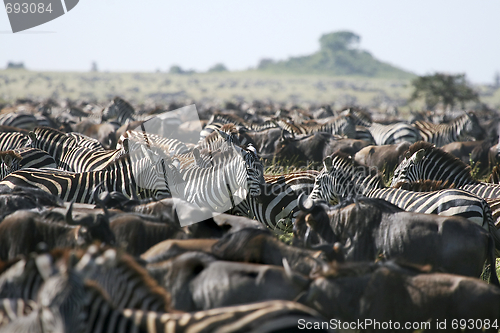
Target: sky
{"points": [[423, 37]]}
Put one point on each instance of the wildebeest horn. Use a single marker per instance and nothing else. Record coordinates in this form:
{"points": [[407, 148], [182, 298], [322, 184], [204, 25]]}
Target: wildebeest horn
{"points": [[69, 215], [305, 203], [98, 201]]}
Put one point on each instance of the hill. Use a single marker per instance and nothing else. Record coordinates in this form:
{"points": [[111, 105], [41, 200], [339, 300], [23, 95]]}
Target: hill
{"points": [[338, 56]]}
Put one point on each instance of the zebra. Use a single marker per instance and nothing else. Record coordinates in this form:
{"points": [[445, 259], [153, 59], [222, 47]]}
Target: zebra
{"points": [[227, 118], [342, 177], [69, 154], [119, 109], [277, 207], [424, 161], [127, 284], [132, 174], [237, 169], [342, 125], [86, 141], [13, 160], [393, 133], [68, 303], [12, 140], [168, 145], [21, 120], [463, 128]]}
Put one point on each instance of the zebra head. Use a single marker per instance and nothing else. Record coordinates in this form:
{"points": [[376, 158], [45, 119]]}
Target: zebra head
{"points": [[409, 170], [254, 170], [342, 177], [10, 162], [424, 161], [472, 127]]}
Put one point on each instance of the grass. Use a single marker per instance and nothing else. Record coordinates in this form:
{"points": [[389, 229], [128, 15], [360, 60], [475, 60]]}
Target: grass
{"points": [[141, 88]]}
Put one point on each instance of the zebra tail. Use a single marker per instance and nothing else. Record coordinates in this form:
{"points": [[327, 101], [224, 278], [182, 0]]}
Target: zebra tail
{"points": [[492, 260]]}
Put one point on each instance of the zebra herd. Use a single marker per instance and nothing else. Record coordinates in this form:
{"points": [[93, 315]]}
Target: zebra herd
{"points": [[147, 189]]}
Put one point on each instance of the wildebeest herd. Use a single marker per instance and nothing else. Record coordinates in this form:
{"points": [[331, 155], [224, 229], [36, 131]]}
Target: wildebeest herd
{"points": [[348, 218]]}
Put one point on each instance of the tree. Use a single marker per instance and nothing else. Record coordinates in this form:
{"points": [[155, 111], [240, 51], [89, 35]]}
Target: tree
{"points": [[94, 67], [218, 68], [339, 41], [175, 69], [444, 88], [15, 65]]}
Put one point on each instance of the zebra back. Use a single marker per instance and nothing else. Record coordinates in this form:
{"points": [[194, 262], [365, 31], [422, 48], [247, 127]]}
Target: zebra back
{"points": [[343, 177], [119, 109], [463, 128], [393, 133], [86, 141], [12, 140], [423, 161], [19, 119]]}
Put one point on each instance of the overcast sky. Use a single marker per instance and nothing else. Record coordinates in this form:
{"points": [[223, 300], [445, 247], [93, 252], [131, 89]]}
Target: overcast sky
{"points": [[423, 36]]}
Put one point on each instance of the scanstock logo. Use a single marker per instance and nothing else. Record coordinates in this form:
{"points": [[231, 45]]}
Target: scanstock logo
{"points": [[26, 14], [216, 187]]}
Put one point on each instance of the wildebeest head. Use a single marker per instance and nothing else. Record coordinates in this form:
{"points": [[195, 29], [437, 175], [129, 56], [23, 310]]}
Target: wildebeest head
{"points": [[93, 227]]}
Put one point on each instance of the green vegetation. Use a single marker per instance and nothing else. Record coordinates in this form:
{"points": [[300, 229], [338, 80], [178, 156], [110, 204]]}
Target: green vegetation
{"points": [[443, 88], [218, 68], [338, 56]]}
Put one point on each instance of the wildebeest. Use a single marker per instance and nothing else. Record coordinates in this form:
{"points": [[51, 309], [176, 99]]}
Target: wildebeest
{"points": [[385, 157], [368, 228], [313, 148], [260, 246], [404, 294], [20, 232], [197, 281]]}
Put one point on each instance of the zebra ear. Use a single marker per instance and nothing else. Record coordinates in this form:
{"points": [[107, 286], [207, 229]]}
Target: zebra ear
{"points": [[32, 136], [7, 159], [327, 162], [126, 146], [223, 135], [419, 155]]}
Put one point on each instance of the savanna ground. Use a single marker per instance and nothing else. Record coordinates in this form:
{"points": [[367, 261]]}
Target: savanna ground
{"points": [[217, 88]]}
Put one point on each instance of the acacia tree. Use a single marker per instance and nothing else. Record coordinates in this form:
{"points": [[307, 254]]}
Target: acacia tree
{"points": [[445, 88]]}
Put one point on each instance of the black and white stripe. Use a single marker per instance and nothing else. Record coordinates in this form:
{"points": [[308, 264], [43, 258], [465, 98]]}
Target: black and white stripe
{"points": [[463, 128], [342, 177], [424, 161], [132, 174]]}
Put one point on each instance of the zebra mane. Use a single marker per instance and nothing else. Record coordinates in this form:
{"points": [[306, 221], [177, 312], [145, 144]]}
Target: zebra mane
{"points": [[10, 153], [416, 147], [425, 185], [494, 177], [381, 204], [344, 161], [227, 118], [132, 268], [444, 157]]}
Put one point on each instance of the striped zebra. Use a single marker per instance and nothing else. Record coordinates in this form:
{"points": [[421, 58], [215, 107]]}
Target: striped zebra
{"points": [[463, 128], [238, 172], [393, 133], [12, 309], [69, 154], [132, 174], [13, 160], [342, 125], [383, 134], [86, 141], [119, 109], [424, 161], [173, 146], [342, 177], [12, 140], [128, 284], [68, 303], [19, 119], [227, 118], [276, 207]]}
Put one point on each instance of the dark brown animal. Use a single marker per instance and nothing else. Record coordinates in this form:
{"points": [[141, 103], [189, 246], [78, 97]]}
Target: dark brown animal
{"points": [[384, 158], [369, 228], [387, 291]]}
